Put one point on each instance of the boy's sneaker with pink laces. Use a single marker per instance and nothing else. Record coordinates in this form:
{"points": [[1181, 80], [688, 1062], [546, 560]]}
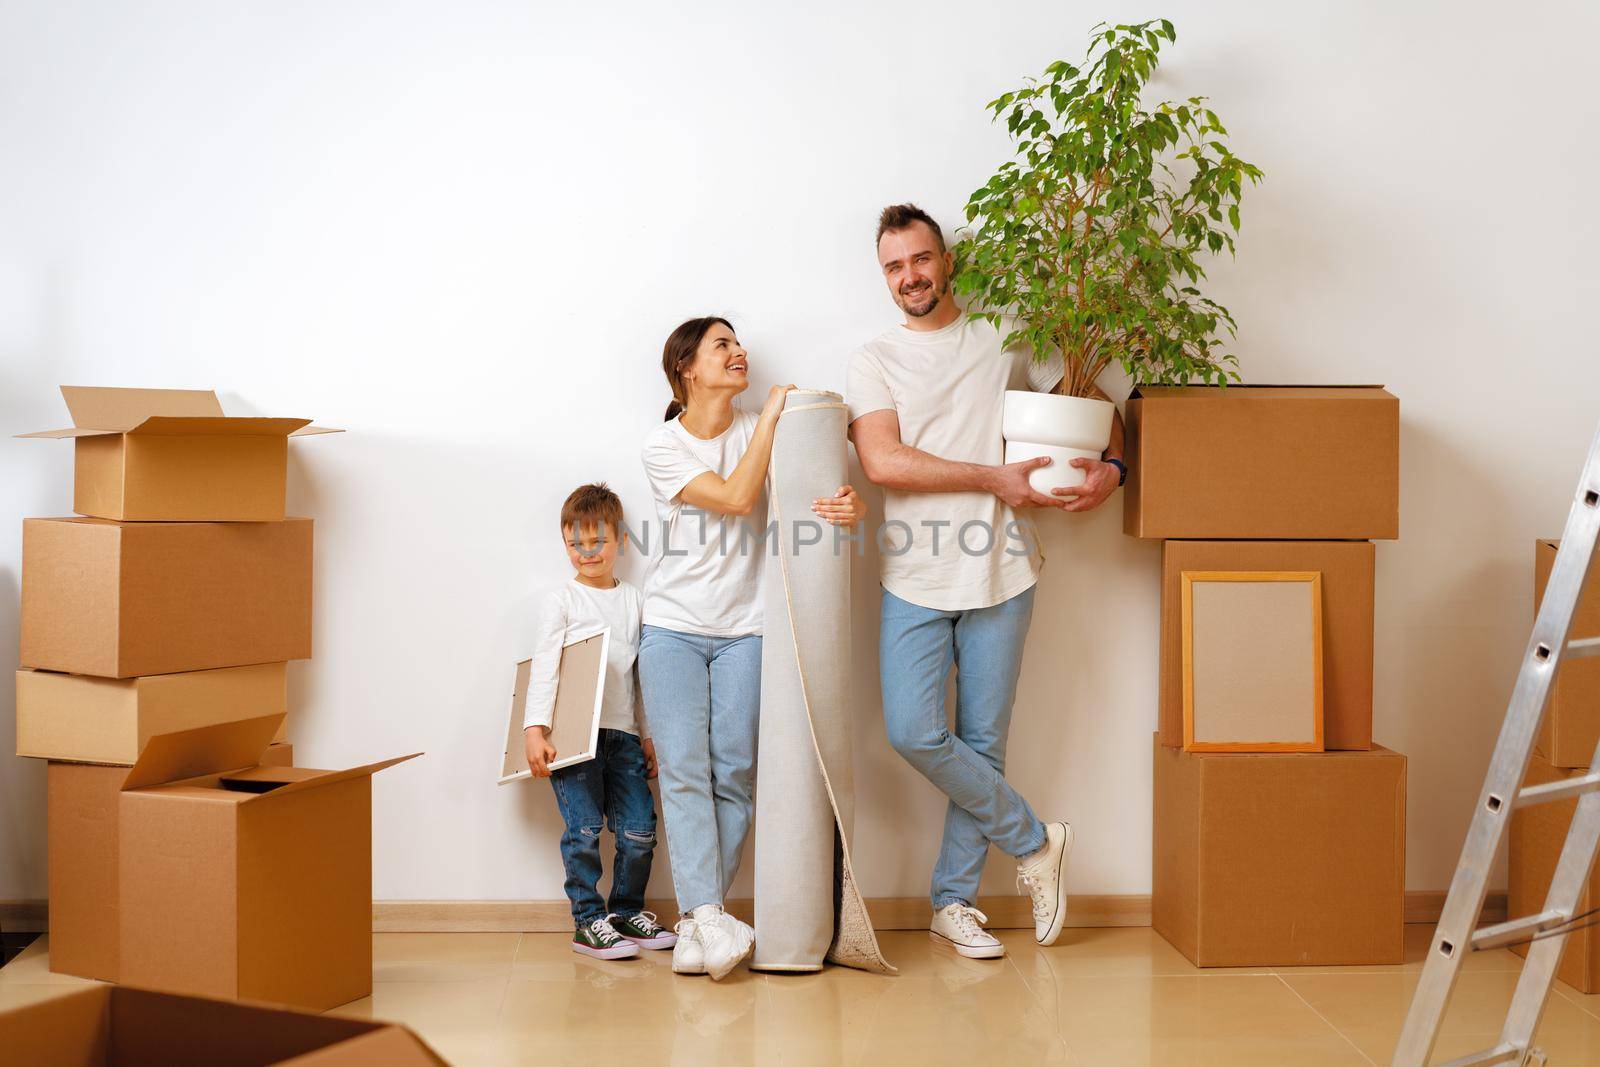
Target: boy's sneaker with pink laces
{"points": [[643, 930], [601, 940]]}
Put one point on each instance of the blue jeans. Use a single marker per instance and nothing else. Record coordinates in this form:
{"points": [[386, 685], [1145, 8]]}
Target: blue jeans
{"points": [[917, 648], [702, 696], [613, 790]]}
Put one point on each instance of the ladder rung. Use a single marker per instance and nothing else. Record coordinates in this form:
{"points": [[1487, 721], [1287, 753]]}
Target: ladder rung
{"points": [[1562, 790], [1506, 932], [1499, 1054], [1584, 646]]}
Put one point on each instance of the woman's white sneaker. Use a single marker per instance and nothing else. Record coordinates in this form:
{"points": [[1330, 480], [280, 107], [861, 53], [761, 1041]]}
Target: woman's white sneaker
{"points": [[688, 956], [1044, 878], [724, 939], [959, 927]]}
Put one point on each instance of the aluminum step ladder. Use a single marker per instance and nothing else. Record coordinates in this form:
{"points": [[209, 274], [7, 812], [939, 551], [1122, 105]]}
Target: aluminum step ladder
{"points": [[1502, 792]]}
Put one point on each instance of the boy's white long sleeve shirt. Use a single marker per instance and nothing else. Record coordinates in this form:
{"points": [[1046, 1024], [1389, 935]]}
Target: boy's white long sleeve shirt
{"points": [[574, 611]]}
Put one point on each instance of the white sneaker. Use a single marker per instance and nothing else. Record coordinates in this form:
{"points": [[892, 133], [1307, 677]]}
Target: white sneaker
{"points": [[1044, 878], [724, 939], [688, 956], [957, 926]]}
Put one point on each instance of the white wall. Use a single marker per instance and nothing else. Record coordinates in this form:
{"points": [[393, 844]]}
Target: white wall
{"points": [[462, 232]]}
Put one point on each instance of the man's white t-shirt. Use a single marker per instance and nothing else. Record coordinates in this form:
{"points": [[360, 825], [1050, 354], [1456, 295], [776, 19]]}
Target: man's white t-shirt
{"points": [[575, 611], [705, 575], [950, 551]]}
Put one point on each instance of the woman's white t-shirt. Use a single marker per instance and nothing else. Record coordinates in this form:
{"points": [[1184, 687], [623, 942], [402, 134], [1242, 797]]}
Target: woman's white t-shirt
{"points": [[705, 575]]}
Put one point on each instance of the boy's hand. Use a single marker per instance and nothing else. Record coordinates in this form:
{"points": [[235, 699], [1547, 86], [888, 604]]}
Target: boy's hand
{"points": [[541, 753], [650, 767]]}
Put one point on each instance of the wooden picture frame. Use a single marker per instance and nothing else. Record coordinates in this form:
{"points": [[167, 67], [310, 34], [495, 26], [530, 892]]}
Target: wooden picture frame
{"points": [[575, 722], [1257, 686]]}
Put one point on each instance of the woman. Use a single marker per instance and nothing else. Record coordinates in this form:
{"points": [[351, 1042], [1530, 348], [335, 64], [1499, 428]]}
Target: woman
{"points": [[700, 646]]}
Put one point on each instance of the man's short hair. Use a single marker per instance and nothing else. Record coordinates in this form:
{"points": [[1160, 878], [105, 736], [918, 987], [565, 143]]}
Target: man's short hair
{"points": [[591, 505], [900, 216]]}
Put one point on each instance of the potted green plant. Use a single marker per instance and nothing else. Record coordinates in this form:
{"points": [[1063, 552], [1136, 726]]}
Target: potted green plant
{"points": [[1089, 241]]}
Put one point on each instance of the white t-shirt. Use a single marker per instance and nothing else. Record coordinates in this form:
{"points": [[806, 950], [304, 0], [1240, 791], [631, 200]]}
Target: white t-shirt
{"points": [[705, 574], [950, 551], [574, 611]]}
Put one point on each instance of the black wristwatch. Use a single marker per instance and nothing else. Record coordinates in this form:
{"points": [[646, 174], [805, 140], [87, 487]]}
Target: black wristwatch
{"points": [[1122, 470]]}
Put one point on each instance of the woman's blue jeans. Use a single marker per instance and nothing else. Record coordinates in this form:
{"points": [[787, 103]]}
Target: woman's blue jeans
{"points": [[702, 697]]}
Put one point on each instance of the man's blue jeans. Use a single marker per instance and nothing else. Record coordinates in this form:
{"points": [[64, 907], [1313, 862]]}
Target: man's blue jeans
{"points": [[702, 697], [612, 790], [917, 647]]}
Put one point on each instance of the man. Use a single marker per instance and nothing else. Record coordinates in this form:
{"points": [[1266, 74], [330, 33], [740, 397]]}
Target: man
{"points": [[960, 559]]}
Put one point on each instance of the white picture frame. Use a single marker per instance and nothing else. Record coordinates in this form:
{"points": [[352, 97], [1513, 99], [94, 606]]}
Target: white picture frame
{"points": [[575, 721]]}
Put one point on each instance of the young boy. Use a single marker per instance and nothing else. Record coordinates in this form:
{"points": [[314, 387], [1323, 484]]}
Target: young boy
{"points": [[612, 788]]}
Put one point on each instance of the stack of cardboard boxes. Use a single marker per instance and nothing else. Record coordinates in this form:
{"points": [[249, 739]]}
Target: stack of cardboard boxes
{"points": [[1275, 858], [186, 853], [1564, 748]]}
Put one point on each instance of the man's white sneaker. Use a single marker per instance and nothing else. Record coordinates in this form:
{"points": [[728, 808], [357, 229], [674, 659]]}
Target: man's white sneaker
{"points": [[1044, 878], [688, 956], [957, 926], [724, 939]]}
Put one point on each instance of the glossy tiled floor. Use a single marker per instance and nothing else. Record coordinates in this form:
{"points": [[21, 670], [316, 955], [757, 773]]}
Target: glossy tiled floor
{"points": [[1100, 997]]}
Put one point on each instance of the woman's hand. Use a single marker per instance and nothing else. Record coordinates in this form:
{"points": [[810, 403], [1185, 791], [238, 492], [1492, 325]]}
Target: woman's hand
{"points": [[541, 753], [774, 405], [843, 508], [651, 768]]}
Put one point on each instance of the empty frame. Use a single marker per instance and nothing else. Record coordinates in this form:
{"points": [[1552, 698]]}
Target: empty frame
{"points": [[575, 723], [1252, 661]]}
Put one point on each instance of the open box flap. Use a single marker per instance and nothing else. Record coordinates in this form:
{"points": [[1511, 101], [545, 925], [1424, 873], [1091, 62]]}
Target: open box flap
{"points": [[103, 408], [307, 431], [227, 746], [331, 777], [215, 426]]}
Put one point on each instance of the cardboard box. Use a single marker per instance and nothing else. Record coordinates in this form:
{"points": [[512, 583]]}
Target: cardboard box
{"points": [[120, 600], [1280, 859], [1537, 836], [108, 720], [1347, 621], [81, 842], [1258, 461], [1571, 727], [107, 1026], [245, 881], [171, 454]]}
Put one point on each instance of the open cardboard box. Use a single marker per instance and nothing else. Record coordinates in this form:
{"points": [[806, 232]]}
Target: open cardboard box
{"points": [[245, 881], [109, 1026], [86, 719], [124, 599], [1263, 461], [171, 454], [81, 806]]}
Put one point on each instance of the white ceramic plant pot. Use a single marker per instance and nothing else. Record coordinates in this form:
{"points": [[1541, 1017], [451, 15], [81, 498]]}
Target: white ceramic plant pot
{"points": [[1064, 428]]}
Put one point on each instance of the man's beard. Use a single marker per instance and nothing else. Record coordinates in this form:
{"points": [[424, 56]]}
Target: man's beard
{"points": [[933, 294]]}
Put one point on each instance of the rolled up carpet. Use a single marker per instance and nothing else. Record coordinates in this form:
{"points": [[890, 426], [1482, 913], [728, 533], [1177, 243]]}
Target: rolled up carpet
{"points": [[808, 906]]}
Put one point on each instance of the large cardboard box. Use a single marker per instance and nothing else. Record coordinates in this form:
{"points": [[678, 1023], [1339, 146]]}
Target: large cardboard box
{"points": [[1571, 727], [1537, 836], [111, 1026], [108, 720], [81, 842], [119, 600], [1258, 461], [171, 454], [1280, 859], [1347, 620], [245, 881]]}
